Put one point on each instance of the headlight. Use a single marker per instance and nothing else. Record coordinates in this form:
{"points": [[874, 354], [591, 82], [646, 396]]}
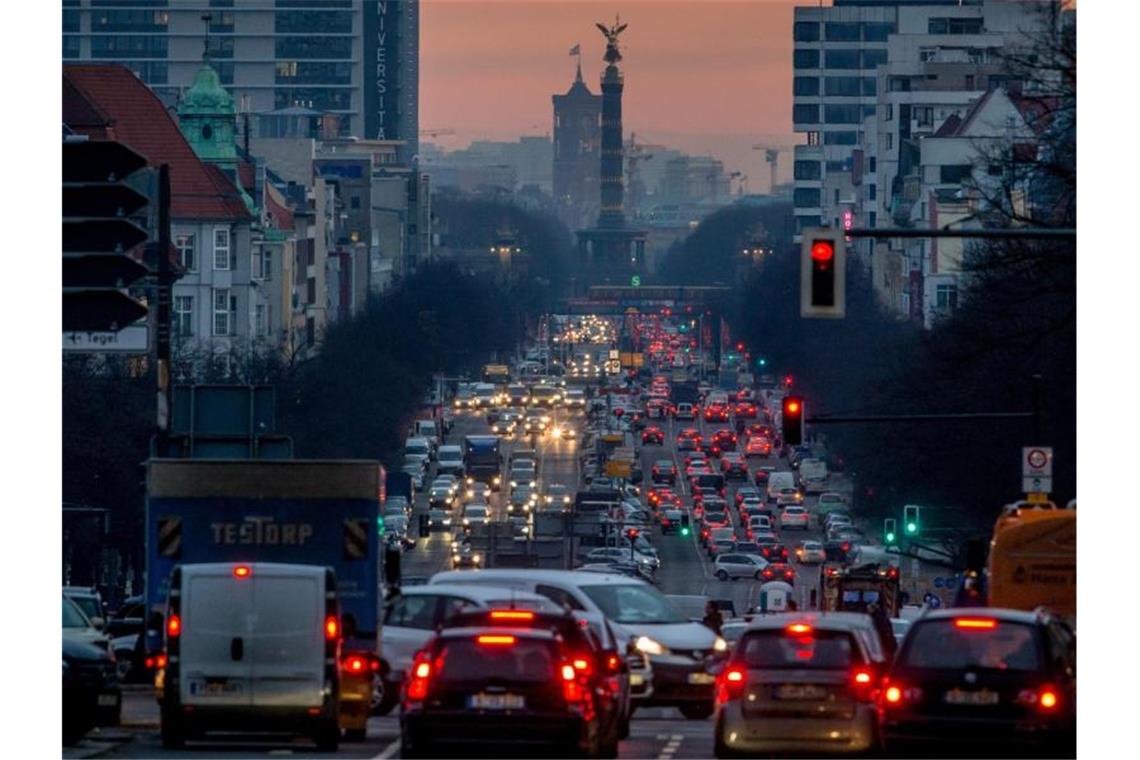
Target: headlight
{"points": [[498, 480], [466, 521], [533, 484], [514, 484], [470, 481], [565, 499], [475, 558], [720, 645], [647, 645]]}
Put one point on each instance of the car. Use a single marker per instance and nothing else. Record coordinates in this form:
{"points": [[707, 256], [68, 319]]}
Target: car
{"points": [[733, 565], [1005, 677], [672, 519], [724, 440], [789, 496], [745, 490], [810, 553], [760, 478], [90, 601], [758, 446], [685, 411], [523, 472], [779, 570], [799, 683], [415, 471], [689, 439], [523, 498], [758, 523], [438, 519], [828, 502], [477, 493], [440, 495], [646, 564], [91, 695], [557, 496], [716, 412], [745, 410], [563, 431], [664, 471], [770, 548], [747, 547], [475, 515], [734, 466], [653, 435], [794, 517], [535, 423]]}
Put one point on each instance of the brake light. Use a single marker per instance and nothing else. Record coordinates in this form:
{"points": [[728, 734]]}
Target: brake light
{"points": [[1047, 700], [975, 623], [332, 627], [613, 663], [862, 676], [241, 571], [572, 690], [731, 685], [799, 629], [496, 640], [418, 685], [893, 695], [354, 664], [174, 626], [512, 615], [582, 664], [1044, 699]]}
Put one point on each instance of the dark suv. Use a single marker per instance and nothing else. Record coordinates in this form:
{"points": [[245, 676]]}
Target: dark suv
{"points": [[1004, 677], [495, 686]]}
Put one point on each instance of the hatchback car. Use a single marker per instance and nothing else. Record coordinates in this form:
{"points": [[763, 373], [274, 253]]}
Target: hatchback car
{"points": [[664, 471], [780, 570], [797, 683], [810, 553], [653, 435], [733, 565], [794, 517], [688, 439], [1005, 676], [734, 466]]}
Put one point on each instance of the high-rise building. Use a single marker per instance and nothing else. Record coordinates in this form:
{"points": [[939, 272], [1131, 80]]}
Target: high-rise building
{"points": [[357, 60], [577, 146]]}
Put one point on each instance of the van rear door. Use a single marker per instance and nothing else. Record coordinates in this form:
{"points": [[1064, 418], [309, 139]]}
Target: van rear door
{"points": [[287, 648], [217, 616]]}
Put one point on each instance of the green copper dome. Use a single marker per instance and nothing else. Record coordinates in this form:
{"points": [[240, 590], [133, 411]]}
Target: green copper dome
{"points": [[206, 95]]}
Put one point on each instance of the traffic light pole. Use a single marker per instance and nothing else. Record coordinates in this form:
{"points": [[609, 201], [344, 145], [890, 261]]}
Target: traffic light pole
{"points": [[162, 329], [837, 420]]}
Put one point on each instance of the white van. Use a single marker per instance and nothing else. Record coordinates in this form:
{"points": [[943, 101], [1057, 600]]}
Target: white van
{"points": [[251, 647], [777, 481], [428, 429], [418, 446], [813, 475], [451, 460]]}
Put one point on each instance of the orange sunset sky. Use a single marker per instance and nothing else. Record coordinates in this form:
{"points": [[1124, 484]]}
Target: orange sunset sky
{"points": [[703, 76]]}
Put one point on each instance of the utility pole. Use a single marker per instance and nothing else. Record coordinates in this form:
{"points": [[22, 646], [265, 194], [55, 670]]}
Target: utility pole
{"points": [[162, 329]]}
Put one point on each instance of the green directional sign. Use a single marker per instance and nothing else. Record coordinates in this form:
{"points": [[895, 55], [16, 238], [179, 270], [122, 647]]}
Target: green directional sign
{"points": [[635, 281]]}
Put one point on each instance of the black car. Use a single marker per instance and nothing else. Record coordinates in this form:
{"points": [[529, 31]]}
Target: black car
{"points": [[495, 686], [91, 693], [1003, 677], [664, 471]]}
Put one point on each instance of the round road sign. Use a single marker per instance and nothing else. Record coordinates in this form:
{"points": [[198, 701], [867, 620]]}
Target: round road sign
{"points": [[1037, 458]]}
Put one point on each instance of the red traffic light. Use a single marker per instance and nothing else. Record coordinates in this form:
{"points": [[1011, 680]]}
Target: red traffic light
{"points": [[739, 346], [793, 407], [788, 381], [632, 532], [822, 250]]}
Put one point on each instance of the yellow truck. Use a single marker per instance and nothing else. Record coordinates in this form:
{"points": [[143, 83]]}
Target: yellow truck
{"points": [[1033, 559]]}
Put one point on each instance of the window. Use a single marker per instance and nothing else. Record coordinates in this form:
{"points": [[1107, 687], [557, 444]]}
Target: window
{"points": [[842, 86], [805, 113], [806, 197], [70, 47], [183, 316], [805, 86], [222, 312], [806, 170], [266, 264], [836, 201], [128, 46], [938, 26], [946, 296], [890, 140], [953, 175], [221, 249], [898, 84], [559, 596], [314, 22], [954, 26], [317, 98], [889, 112], [259, 319], [840, 138], [875, 31], [924, 116], [314, 72], [416, 611], [842, 114], [841, 59], [221, 47], [314, 48], [870, 86], [841, 31], [838, 166], [871, 192], [868, 111], [354, 202], [185, 245], [805, 59], [872, 217], [970, 82], [805, 31], [803, 222], [871, 164], [873, 58]]}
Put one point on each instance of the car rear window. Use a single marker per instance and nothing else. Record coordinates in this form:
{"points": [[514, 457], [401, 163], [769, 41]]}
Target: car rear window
{"points": [[521, 661], [811, 650], [944, 644]]}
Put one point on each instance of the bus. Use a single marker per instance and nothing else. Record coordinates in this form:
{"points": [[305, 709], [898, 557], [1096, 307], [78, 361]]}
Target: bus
{"points": [[1033, 558]]}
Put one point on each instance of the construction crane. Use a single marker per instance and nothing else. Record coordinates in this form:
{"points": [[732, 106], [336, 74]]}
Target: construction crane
{"points": [[771, 156], [436, 132], [633, 154], [742, 188]]}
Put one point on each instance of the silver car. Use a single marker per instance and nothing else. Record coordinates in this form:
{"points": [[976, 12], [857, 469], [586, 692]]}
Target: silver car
{"points": [[735, 565], [798, 682]]}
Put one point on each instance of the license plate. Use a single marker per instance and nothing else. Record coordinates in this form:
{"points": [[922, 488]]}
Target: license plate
{"points": [[961, 697], [636, 679], [215, 688], [701, 678], [496, 701], [108, 700], [800, 691]]}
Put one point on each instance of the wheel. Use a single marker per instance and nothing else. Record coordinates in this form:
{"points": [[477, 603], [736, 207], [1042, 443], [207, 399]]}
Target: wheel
{"points": [[720, 749], [355, 734], [327, 737], [722, 575], [74, 730], [697, 710], [172, 731], [759, 575]]}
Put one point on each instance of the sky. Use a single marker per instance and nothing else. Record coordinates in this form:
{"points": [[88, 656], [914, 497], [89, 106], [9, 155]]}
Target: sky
{"points": [[704, 76]]}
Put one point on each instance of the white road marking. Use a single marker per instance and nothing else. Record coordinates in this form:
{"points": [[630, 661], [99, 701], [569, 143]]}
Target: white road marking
{"points": [[388, 751]]}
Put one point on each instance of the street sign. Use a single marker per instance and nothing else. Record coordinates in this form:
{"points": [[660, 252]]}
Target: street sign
{"points": [[1037, 485], [1037, 461], [133, 339], [1037, 498], [635, 281]]}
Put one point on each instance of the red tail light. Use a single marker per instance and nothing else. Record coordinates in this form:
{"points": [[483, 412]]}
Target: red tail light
{"points": [[354, 663], [799, 629], [975, 623], [571, 689], [731, 684], [174, 626], [613, 663], [582, 665], [496, 640], [1045, 699], [899, 694], [418, 685], [332, 627], [862, 677], [241, 571], [1048, 699], [512, 615]]}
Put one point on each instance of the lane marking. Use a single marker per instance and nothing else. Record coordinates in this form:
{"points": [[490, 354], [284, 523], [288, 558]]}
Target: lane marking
{"points": [[388, 751]]}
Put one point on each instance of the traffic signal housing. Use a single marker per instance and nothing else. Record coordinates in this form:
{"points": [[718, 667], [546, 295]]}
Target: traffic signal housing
{"points": [[793, 420], [98, 235], [911, 523], [823, 273], [890, 531]]}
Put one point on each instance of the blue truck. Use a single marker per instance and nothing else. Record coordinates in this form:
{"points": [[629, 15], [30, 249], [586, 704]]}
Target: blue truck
{"points": [[311, 512], [482, 460]]}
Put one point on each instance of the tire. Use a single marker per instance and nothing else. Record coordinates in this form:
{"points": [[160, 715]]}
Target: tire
{"points": [[74, 730], [327, 737], [172, 731], [355, 734], [720, 749], [697, 710], [721, 575], [759, 575]]}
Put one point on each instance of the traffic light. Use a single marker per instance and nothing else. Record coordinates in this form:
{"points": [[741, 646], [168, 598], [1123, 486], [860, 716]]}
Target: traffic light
{"points": [[793, 420], [823, 269], [685, 523], [632, 533], [761, 362], [98, 236], [910, 520], [890, 532]]}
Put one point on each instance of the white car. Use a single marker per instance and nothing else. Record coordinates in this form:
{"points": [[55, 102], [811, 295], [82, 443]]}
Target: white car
{"points": [[794, 517], [810, 553], [475, 515], [760, 523], [732, 565], [788, 497]]}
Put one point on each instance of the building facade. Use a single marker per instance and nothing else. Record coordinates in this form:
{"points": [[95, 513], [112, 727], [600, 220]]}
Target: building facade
{"points": [[355, 59], [577, 154]]}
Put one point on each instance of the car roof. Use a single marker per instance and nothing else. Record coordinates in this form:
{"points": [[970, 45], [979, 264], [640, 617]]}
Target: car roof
{"points": [[543, 634], [489, 576], [479, 593], [998, 613], [826, 621]]}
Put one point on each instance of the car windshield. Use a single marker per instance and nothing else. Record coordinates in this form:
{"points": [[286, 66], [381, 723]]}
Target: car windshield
{"points": [[943, 644], [810, 650], [633, 603], [89, 605], [73, 616], [520, 660]]}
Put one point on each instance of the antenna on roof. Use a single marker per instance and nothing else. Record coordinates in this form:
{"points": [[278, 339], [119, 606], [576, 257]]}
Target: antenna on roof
{"points": [[206, 19]]}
